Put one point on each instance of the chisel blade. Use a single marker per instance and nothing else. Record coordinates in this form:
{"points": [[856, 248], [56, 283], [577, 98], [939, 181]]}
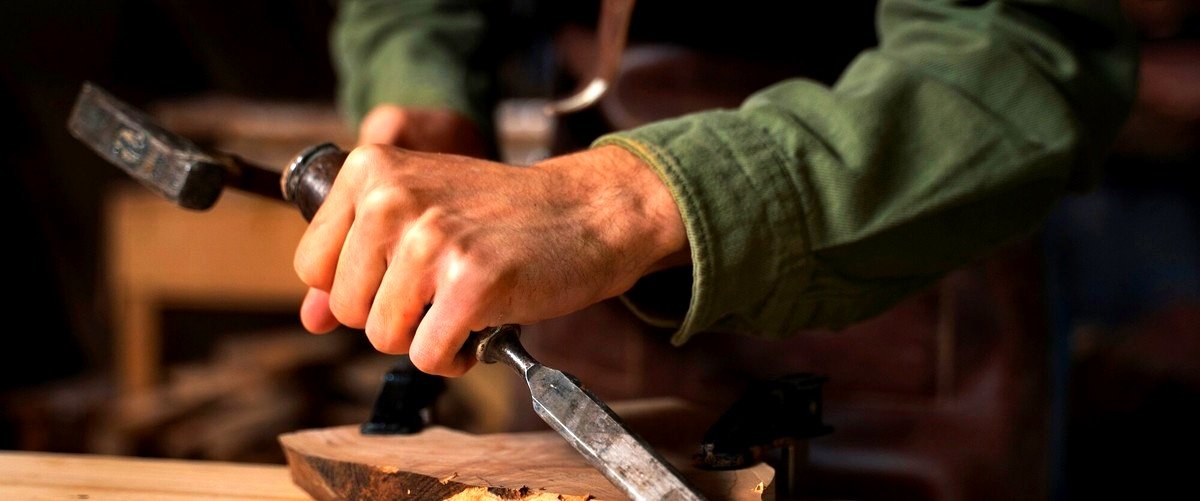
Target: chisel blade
{"points": [[600, 436], [585, 422]]}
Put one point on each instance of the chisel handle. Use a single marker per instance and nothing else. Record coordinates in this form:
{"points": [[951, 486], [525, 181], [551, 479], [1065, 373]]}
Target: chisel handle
{"points": [[306, 182], [307, 179]]}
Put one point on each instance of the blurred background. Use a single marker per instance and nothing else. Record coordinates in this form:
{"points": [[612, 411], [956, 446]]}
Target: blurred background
{"points": [[1066, 366]]}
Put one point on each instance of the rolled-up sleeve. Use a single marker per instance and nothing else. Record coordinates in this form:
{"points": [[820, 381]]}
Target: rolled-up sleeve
{"points": [[812, 206]]}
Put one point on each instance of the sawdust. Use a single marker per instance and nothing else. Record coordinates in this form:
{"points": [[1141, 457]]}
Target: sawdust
{"points": [[448, 478], [387, 470], [483, 494], [473, 494]]}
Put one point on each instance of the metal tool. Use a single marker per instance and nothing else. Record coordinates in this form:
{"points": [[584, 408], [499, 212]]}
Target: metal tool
{"points": [[404, 400], [771, 421], [610, 43], [533, 122], [166, 163], [587, 424], [194, 178]]}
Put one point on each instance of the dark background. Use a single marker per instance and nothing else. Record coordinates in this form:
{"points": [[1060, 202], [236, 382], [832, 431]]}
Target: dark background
{"points": [[141, 51], [1122, 263]]}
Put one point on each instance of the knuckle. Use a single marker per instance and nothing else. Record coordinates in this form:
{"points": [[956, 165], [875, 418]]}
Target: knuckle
{"points": [[311, 270], [480, 269], [421, 246], [464, 260], [347, 310], [386, 339], [384, 202], [366, 156], [428, 236], [425, 359]]}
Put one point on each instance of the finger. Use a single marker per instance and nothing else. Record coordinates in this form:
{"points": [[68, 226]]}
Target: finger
{"points": [[398, 308], [407, 287], [315, 314], [317, 253], [360, 269], [436, 348]]}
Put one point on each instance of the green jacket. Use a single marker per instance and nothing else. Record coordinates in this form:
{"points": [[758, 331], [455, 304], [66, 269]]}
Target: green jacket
{"points": [[816, 206]]}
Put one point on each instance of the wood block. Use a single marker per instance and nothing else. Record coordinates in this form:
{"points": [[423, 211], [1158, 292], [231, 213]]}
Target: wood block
{"points": [[439, 463]]}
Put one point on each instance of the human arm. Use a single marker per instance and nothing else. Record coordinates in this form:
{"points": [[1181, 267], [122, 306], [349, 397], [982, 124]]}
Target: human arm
{"points": [[807, 206], [816, 207]]}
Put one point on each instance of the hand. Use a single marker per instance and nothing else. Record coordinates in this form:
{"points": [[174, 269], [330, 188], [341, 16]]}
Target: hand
{"points": [[432, 130], [481, 242], [420, 129]]}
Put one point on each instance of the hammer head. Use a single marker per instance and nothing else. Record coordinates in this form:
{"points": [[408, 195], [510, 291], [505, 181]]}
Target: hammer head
{"points": [[166, 163]]}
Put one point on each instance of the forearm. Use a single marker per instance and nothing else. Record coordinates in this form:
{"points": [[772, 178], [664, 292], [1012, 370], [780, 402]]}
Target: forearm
{"points": [[812, 206], [639, 216]]}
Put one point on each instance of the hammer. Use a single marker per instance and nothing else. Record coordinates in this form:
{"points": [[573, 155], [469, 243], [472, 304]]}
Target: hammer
{"points": [[182, 172]]}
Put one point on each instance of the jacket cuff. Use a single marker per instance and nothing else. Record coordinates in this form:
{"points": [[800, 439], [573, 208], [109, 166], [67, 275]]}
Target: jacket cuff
{"points": [[734, 218]]}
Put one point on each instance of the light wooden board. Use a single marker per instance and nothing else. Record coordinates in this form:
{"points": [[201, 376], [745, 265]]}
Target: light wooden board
{"points": [[438, 463], [236, 257], [26, 475]]}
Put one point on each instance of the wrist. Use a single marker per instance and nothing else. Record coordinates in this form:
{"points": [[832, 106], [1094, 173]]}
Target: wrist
{"points": [[631, 207]]}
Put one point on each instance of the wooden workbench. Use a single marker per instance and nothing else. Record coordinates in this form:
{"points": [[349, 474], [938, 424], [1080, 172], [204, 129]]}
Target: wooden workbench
{"points": [[36, 475]]}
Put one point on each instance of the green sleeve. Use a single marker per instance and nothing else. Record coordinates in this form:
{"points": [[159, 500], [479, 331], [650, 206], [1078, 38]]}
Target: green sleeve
{"points": [[420, 53], [812, 206]]}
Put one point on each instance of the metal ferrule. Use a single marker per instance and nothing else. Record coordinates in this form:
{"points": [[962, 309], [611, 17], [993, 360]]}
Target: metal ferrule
{"points": [[289, 182]]}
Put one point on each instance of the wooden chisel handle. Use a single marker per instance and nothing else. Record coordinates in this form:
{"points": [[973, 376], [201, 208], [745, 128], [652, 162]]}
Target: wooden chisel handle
{"points": [[307, 179]]}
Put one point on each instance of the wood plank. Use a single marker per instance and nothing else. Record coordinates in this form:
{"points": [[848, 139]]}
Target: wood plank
{"points": [[236, 256], [439, 463], [30, 475]]}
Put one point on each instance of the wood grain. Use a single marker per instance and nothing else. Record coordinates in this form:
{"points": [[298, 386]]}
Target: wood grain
{"points": [[25, 475], [438, 463]]}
